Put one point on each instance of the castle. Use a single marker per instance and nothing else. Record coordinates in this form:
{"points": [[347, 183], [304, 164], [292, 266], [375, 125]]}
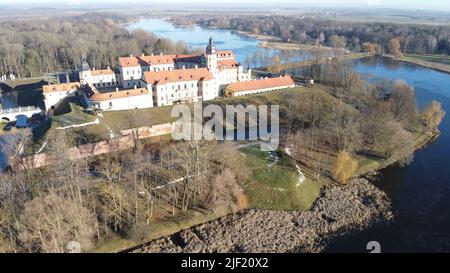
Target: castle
{"points": [[161, 80]]}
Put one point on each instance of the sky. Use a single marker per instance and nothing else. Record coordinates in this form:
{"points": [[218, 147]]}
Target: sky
{"points": [[442, 5]]}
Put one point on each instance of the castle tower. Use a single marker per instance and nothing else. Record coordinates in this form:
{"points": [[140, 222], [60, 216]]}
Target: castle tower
{"points": [[84, 71], [211, 48], [211, 56]]}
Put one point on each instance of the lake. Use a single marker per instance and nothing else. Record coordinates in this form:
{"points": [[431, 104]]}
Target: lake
{"points": [[197, 37]]}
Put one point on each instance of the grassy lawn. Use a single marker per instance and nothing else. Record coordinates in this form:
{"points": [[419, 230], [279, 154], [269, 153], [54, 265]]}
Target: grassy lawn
{"points": [[154, 115], [70, 113], [434, 58], [292, 65], [433, 61], [274, 184]]}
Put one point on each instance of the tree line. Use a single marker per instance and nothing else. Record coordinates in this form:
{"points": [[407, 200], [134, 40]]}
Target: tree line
{"points": [[336, 33], [31, 48]]}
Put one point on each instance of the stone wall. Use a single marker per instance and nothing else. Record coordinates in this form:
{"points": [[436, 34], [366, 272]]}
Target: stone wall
{"points": [[123, 142]]}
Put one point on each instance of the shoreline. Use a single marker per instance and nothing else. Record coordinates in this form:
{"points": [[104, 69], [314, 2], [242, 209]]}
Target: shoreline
{"points": [[425, 64], [421, 142], [339, 210], [295, 65], [264, 41]]}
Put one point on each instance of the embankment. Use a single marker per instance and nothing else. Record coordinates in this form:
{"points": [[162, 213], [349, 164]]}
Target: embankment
{"points": [[338, 211], [431, 65]]}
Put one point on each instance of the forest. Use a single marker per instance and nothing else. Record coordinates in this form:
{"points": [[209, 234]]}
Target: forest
{"points": [[31, 48], [418, 38]]}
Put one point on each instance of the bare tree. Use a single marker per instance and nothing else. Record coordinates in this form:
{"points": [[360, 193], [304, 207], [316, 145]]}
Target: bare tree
{"points": [[51, 221]]}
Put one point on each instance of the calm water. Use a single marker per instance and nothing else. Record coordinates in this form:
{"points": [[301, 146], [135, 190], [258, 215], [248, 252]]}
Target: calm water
{"points": [[420, 192], [197, 37]]}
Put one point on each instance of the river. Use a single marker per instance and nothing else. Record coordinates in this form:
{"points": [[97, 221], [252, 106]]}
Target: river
{"points": [[197, 37]]}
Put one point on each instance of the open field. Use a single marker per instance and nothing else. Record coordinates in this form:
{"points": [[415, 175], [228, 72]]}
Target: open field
{"points": [[433, 58], [345, 57], [432, 61], [297, 46]]}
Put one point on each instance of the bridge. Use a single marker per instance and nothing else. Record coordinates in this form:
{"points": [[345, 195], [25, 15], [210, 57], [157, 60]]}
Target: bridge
{"points": [[10, 114]]}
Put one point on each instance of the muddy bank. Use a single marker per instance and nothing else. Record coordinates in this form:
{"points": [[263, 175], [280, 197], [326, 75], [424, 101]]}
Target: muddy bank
{"points": [[338, 211]]}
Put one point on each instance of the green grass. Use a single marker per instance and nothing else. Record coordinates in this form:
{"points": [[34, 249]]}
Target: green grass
{"points": [[154, 115], [69, 113], [275, 187]]}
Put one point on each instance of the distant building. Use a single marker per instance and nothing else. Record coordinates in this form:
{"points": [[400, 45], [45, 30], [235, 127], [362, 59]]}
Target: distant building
{"points": [[54, 93], [259, 86]]}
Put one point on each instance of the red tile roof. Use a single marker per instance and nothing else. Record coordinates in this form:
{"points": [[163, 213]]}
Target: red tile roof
{"points": [[225, 54], [101, 72], [119, 94], [128, 61], [227, 64], [157, 59], [261, 84], [61, 87], [177, 75]]}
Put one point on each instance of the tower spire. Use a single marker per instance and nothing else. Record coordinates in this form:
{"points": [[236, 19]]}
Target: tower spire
{"points": [[211, 48]]}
